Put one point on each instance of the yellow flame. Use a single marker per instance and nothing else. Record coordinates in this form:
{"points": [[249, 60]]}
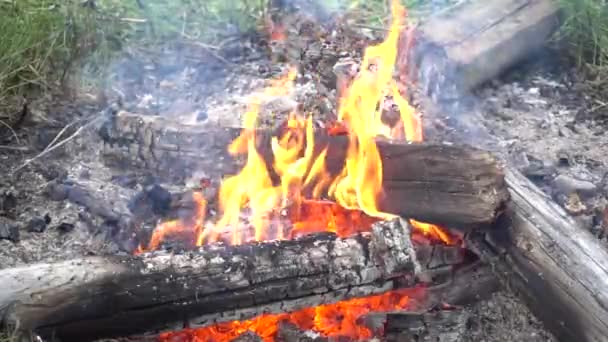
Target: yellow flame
{"points": [[357, 186]]}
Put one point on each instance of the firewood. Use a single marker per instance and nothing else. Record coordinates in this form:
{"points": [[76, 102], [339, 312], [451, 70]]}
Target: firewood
{"points": [[97, 297], [475, 41], [458, 186], [558, 268], [468, 285]]}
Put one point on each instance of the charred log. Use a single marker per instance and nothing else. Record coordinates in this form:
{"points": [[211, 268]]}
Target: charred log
{"points": [[559, 269], [465, 286], [81, 300], [475, 41], [459, 186]]}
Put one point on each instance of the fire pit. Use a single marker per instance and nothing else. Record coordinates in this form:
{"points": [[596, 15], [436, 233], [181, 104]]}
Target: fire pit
{"points": [[347, 230]]}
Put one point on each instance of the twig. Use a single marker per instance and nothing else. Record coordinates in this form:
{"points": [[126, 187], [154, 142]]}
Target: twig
{"points": [[600, 105], [10, 129], [60, 134], [212, 50], [134, 20], [14, 148], [50, 148]]}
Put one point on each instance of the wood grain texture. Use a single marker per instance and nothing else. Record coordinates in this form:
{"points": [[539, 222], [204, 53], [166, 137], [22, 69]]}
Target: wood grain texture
{"points": [[80, 300], [474, 41], [458, 186], [559, 269]]}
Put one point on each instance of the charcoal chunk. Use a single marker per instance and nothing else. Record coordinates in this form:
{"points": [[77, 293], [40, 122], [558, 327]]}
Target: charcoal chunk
{"points": [[8, 202], [9, 231], [37, 225], [65, 227], [154, 199]]}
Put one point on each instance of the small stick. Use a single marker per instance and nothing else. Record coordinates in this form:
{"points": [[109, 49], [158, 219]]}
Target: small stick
{"points": [[56, 146], [10, 129], [14, 148], [134, 20]]}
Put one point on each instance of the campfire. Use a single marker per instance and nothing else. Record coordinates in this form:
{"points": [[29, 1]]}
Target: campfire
{"points": [[356, 229], [296, 194]]}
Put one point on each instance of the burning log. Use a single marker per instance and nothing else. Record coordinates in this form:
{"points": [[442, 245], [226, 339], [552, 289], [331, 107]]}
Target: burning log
{"points": [[97, 297], [475, 41], [559, 269], [458, 186], [467, 285]]}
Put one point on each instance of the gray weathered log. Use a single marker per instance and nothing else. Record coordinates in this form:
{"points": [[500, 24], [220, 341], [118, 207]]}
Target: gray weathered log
{"points": [[475, 41], [558, 268], [458, 186], [80, 300]]}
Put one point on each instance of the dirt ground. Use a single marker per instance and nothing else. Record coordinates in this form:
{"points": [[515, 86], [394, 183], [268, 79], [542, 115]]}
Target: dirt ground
{"points": [[536, 117]]}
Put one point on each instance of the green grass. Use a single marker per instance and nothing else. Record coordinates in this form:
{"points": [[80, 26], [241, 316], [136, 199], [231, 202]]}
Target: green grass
{"points": [[378, 12], [43, 41], [585, 29], [35, 38]]}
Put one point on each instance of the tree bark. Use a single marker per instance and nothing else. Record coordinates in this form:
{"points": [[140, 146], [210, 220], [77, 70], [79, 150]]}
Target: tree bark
{"points": [[457, 186], [475, 41], [559, 269], [96, 297]]}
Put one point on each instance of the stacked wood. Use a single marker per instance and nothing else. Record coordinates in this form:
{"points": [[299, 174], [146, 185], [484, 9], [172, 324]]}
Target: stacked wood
{"points": [[459, 186], [475, 41], [96, 297], [559, 269]]}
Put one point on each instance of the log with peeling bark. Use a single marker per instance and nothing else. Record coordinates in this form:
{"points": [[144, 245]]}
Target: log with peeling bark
{"points": [[96, 297], [468, 285], [558, 268], [475, 41], [458, 186]]}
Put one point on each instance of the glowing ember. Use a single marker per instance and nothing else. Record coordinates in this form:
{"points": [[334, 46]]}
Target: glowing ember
{"points": [[276, 31], [320, 216], [332, 320]]}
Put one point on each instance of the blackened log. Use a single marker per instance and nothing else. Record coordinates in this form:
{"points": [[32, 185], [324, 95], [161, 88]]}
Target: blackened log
{"points": [[166, 147], [90, 298], [558, 268], [466, 285], [463, 285], [458, 186], [475, 41]]}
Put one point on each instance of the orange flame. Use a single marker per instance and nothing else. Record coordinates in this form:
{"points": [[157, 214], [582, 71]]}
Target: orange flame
{"points": [[357, 187], [293, 205], [331, 320]]}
